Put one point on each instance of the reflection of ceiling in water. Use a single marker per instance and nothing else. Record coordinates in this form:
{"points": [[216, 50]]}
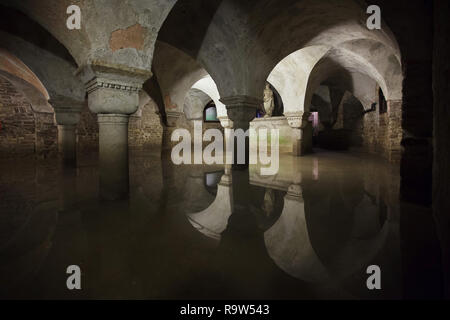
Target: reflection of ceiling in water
{"points": [[325, 230]]}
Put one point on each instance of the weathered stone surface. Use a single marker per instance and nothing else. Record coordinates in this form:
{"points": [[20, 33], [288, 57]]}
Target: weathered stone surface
{"points": [[87, 131], [24, 132], [131, 37], [146, 131]]}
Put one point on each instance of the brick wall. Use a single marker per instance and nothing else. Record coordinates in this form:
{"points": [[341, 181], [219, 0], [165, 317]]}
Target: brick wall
{"points": [[382, 133], [17, 133], [395, 131], [146, 131], [87, 131], [46, 143], [24, 132]]}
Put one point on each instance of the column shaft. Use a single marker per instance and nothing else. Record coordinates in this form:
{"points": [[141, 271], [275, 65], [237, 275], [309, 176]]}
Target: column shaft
{"points": [[113, 156], [67, 143]]}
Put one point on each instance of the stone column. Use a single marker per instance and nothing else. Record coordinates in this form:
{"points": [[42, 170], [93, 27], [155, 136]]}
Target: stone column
{"points": [[227, 124], [171, 123], [113, 93], [301, 132], [241, 110], [67, 116]]}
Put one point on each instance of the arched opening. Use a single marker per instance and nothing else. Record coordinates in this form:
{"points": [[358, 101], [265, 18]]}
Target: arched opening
{"points": [[17, 123], [27, 120], [210, 113], [347, 105], [383, 107]]}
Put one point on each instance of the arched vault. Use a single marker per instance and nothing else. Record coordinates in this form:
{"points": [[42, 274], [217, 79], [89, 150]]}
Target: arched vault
{"points": [[115, 32], [16, 72], [240, 42]]}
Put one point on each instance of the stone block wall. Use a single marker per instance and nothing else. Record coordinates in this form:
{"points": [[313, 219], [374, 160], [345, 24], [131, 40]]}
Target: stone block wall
{"points": [[370, 129], [46, 143], [17, 133], [395, 131], [87, 131], [145, 131], [382, 133], [24, 132]]}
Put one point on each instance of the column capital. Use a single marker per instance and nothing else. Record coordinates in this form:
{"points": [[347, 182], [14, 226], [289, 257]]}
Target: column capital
{"points": [[112, 88], [67, 110], [241, 108], [295, 192], [226, 122], [241, 101], [113, 74], [173, 117], [66, 104], [297, 119]]}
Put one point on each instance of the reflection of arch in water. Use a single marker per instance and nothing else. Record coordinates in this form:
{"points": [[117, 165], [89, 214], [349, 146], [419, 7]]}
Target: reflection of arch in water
{"points": [[289, 244], [364, 243], [214, 220], [212, 180]]}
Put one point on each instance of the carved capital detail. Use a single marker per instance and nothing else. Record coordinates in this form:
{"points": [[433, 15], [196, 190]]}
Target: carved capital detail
{"points": [[99, 83], [113, 76], [112, 88], [297, 120]]}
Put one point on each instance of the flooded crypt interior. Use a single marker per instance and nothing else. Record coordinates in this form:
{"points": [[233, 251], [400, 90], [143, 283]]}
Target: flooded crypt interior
{"points": [[106, 127]]}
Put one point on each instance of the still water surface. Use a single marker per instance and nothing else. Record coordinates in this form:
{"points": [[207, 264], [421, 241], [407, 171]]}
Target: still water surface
{"points": [[310, 232]]}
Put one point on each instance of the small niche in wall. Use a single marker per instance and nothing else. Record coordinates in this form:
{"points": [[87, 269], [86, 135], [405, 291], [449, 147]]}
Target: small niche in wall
{"points": [[382, 102]]}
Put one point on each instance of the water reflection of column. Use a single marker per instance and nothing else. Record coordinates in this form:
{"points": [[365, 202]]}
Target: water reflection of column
{"points": [[288, 242], [214, 220], [241, 110], [68, 192]]}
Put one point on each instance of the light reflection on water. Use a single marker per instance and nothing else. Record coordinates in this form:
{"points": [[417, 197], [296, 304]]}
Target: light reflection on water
{"points": [[308, 232]]}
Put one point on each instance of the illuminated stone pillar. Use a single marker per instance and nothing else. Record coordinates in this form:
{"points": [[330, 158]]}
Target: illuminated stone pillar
{"points": [[301, 132], [227, 124], [67, 116], [113, 94], [241, 110]]}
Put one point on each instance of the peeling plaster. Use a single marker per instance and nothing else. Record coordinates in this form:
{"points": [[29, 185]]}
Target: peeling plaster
{"points": [[131, 37]]}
